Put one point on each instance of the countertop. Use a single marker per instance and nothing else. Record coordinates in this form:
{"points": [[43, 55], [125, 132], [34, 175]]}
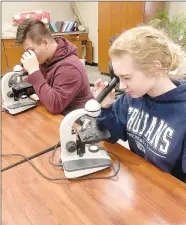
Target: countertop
{"points": [[13, 35]]}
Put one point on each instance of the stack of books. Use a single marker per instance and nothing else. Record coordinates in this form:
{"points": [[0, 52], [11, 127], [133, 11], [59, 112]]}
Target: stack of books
{"points": [[63, 26]]}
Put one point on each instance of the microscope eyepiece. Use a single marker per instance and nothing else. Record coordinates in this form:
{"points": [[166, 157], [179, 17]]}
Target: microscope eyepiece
{"points": [[114, 81]]}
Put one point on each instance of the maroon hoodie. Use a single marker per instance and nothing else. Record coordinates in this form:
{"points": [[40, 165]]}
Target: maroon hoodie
{"points": [[62, 83]]}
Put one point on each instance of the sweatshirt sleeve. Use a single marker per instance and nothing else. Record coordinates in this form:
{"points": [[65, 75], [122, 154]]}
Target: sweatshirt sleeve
{"points": [[114, 119], [66, 86], [184, 160]]}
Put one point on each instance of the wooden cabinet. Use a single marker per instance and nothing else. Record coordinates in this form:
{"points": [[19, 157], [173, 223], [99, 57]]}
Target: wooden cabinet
{"points": [[113, 19], [79, 40], [79, 46], [4, 65], [11, 53]]}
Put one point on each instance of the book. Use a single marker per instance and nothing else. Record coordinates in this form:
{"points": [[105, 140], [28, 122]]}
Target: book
{"points": [[62, 26], [74, 26], [70, 26], [52, 27], [58, 25], [65, 26]]}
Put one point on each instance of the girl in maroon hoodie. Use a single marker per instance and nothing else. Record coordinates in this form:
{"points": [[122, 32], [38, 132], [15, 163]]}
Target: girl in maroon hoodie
{"points": [[58, 76]]}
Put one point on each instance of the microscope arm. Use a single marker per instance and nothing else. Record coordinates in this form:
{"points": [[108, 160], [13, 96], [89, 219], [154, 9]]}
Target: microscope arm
{"points": [[5, 85], [66, 125]]}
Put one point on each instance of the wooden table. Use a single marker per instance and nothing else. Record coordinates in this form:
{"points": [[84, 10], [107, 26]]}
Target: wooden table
{"points": [[140, 195], [29, 132]]}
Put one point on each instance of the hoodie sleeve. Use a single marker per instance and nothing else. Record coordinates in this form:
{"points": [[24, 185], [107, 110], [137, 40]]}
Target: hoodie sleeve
{"points": [[66, 85], [184, 160], [114, 118]]}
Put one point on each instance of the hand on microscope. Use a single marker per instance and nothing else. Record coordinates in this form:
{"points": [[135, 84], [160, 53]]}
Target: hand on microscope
{"points": [[99, 86], [30, 62]]}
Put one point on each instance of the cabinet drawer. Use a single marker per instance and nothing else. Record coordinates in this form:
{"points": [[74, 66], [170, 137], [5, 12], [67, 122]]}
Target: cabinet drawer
{"points": [[73, 37], [10, 43], [79, 37]]}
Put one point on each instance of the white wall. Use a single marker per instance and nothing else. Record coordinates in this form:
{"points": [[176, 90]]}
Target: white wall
{"points": [[175, 7], [59, 10], [89, 14]]}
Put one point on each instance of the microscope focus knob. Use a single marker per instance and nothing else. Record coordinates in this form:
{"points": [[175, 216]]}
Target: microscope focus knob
{"points": [[10, 94], [71, 146]]}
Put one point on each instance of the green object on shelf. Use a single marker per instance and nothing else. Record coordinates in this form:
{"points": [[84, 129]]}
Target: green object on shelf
{"points": [[174, 27]]}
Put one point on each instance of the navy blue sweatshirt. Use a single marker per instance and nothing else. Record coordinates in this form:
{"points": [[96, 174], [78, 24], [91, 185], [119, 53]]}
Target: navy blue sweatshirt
{"points": [[154, 127]]}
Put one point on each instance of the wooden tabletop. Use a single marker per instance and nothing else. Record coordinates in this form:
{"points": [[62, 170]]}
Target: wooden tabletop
{"points": [[141, 194], [28, 132]]}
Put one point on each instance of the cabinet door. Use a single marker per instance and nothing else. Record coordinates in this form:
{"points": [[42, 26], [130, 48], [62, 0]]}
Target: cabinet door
{"points": [[4, 65], [13, 52], [113, 19], [89, 52], [78, 44]]}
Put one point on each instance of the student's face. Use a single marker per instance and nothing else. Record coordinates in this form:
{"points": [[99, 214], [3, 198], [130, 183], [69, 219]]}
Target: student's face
{"points": [[41, 50], [132, 80]]}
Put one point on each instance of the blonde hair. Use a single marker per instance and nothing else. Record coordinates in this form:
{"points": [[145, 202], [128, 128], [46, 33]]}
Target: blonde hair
{"points": [[146, 45]]}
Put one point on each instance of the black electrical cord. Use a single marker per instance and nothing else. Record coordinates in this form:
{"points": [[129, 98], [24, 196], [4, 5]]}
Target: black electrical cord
{"points": [[30, 157], [51, 158], [63, 178]]}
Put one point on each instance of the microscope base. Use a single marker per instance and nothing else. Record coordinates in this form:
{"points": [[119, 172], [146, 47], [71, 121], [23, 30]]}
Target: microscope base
{"points": [[16, 107], [90, 162]]}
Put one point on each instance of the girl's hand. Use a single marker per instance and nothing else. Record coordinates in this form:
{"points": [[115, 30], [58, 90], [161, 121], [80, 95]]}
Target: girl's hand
{"points": [[99, 85]]}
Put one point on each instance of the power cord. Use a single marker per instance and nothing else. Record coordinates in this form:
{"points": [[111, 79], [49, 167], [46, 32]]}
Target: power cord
{"points": [[51, 158], [30, 157], [116, 171]]}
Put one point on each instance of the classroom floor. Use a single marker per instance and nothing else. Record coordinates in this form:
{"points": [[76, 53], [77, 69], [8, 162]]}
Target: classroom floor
{"points": [[94, 74]]}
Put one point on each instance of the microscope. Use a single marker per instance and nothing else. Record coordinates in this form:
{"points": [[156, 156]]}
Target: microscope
{"points": [[15, 92], [80, 151]]}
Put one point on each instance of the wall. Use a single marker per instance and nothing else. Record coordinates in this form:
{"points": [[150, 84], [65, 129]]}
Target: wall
{"points": [[150, 10], [89, 14], [59, 10], [175, 7]]}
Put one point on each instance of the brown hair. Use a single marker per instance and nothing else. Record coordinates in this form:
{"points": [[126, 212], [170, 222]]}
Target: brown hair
{"points": [[36, 30], [146, 45]]}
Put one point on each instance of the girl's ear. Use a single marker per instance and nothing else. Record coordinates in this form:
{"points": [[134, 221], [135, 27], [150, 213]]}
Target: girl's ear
{"points": [[156, 67], [157, 64]]}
